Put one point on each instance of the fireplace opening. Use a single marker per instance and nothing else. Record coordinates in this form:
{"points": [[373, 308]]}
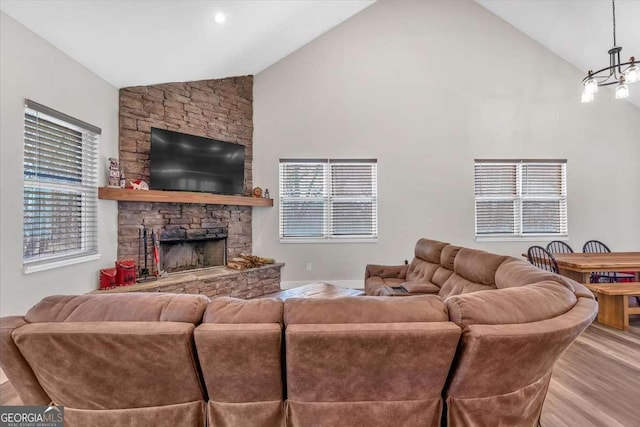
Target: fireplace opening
{"points": [[179, 252]]}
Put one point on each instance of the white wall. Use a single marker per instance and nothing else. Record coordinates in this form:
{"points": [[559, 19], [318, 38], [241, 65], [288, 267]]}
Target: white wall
{"points": [[426, 87], [32, 68]]}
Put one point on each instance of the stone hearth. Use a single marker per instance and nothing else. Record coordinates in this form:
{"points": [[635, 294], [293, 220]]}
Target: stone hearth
{"points": [[214, 282]]}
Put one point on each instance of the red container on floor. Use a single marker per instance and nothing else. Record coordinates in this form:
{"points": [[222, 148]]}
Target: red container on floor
{"points": [[107, 278], [125, 272]]}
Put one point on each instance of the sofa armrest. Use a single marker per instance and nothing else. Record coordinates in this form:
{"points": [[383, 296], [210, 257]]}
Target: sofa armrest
{"points": [[16, 367], [385, 271]]}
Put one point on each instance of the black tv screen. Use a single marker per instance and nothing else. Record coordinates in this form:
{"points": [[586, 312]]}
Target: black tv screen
{"points": [[192, 163]]}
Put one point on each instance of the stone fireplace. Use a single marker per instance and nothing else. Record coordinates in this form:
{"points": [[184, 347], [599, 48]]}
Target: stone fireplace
{"points": [[220, 109], [191, 236], [205, 249]]}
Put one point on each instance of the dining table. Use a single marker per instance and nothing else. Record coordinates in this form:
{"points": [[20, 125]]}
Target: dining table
{"points": [[613, 298], [579, 266]]}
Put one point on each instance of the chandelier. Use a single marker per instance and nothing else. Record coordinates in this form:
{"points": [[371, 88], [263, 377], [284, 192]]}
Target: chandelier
{"points": [[614, 74]]}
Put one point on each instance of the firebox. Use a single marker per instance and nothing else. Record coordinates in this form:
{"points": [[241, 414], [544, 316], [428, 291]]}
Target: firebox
{"points": [[182, 249]]}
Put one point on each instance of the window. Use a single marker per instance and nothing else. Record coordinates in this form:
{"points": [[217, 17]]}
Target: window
{"points": [[328, 200], [60, 189], [520, 198]]}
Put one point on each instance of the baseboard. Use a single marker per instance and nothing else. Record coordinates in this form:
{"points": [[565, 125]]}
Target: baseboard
{"points": [[351, 284]]}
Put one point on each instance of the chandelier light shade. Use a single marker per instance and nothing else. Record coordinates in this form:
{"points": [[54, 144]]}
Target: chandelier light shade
{"points": [[617, 73]]}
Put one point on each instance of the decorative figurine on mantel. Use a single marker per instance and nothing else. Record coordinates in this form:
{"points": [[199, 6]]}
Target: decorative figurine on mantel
{"points": [[266, 193], [113, 178]]}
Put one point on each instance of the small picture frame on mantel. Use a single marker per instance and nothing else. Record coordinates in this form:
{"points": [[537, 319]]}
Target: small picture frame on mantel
{"points": [[113, 172]]}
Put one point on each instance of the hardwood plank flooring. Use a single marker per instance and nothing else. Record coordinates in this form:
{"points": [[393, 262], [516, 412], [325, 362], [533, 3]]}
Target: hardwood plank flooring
{"points": [[596, 383], [8, 395]]}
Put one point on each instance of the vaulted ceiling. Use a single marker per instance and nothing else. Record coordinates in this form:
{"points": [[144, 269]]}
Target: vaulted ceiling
{"points": [[144, 42], [130, 43]]}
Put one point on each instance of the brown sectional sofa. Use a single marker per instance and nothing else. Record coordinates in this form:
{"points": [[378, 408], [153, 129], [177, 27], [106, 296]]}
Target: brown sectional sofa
{"points": [[478, 351], [516, 321]]}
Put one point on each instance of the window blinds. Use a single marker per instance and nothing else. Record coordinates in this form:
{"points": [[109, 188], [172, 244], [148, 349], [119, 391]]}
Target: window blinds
{"points": [[60, 186], [328, 199], [520, 197]]}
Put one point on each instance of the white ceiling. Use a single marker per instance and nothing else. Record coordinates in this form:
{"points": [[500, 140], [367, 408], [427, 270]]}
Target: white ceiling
{"points": [[131, 43], [580, 31], [143, 42]]}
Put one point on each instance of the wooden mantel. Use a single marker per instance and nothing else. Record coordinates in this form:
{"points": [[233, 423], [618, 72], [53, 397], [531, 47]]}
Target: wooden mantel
{"points": [[160, 196]]}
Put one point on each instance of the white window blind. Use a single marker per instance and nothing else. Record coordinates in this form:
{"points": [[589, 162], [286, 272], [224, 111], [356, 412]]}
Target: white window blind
{"points": [[60, 187], [520, 198], [328, 199]]}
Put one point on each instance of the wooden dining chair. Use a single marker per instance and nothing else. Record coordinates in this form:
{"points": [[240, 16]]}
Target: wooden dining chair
{"points": [[541, 258], [597, 247], [559, 247]]}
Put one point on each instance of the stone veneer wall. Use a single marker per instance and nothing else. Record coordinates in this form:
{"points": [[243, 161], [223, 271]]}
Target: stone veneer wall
{"points": [[220, 109], [237, 284]]}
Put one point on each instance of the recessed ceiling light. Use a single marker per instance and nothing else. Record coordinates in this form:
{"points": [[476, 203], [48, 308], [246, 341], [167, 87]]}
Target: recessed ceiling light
{"points": [[220, 18]]}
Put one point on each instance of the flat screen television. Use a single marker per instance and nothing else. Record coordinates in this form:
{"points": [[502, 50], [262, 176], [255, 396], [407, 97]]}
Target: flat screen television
{"points": [[192, 163]]}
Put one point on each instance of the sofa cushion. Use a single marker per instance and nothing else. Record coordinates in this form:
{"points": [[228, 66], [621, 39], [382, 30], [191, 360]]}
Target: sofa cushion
{"points": [[112, 365], [241, 362], [379, 281], [366, 309], [369, 361], [441, 276], [448, 256], [420, 270], [517, 272], [385, 271], [234, 310], [420, 287], [478, 266], [374, 285], [429, 250], [126, 307], [525, 304], [456, 285]]}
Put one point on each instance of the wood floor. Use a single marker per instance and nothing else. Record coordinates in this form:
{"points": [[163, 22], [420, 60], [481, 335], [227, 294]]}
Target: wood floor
{"points": [[595, 383]]}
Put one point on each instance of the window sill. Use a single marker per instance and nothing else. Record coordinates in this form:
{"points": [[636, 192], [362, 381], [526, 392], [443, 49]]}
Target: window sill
{"points": [[48, 265], [346, 240], [535, 238]]}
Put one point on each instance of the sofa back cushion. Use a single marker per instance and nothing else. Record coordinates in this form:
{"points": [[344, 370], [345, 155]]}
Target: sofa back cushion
{"points": [[448, 256], [240, 352], [368, 374], [422, 308], [524, 304], [429, 250], [112, 365], [234, 310], [517, 272], [474, 271], [478, 266], [126, 307], [456, 285], [426, 261]]}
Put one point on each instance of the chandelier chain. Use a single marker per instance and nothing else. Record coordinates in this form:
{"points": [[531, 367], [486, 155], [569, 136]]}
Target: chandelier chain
{"points": [[613, 2]]}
